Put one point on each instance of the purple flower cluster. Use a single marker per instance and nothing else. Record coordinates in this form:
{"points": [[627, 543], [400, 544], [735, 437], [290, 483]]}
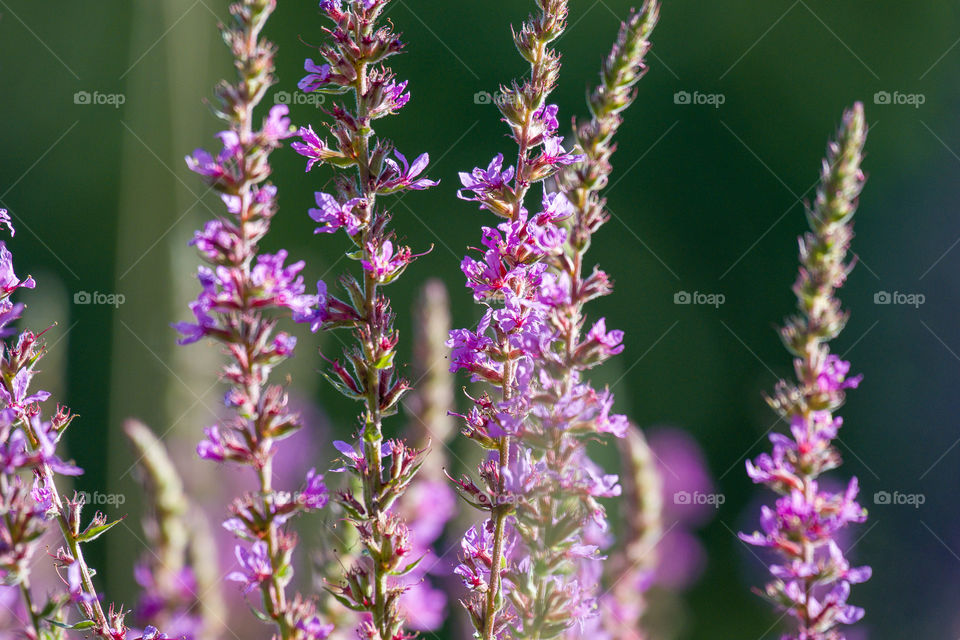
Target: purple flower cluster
{"points": [[811, 581], [243, 293], [352, 61], [527, 570], [28, 447]]}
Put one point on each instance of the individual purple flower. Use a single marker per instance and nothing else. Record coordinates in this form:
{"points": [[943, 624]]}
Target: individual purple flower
{"points": [[481, 181], [43, 497], [215, 241], [279, 285], [546, 117], [317, 76], [333, 215], [9, 282], [555, 155], [5, 221], [396, 178], [395, 97], [75, 584], [222, 167], [314, 495], [254, 566], [214, 447], [833, 376], [314, 628], [355, 457], [276, 126], [384, 264], [311, 146], [610, 343]]}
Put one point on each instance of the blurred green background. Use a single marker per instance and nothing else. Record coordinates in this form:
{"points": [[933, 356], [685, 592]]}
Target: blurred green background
{"points": [[705, 198]]}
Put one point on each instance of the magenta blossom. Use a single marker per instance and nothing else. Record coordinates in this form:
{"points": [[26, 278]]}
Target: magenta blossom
{"points": [[395, 178], [254, 566], [333, 216], [319, 75]]}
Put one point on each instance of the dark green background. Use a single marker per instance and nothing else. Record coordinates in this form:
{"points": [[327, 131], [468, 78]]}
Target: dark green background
{"points": [[704, 199]]}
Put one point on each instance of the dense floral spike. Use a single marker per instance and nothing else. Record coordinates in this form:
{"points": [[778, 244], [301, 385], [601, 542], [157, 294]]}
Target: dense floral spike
{"points": [[352, 62], [506, 279], [566, 409], [243, 293], [812, 580], [28, 447], [529, 344]]}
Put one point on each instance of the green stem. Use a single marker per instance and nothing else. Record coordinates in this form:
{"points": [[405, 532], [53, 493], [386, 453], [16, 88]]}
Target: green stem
{"points": [[373, 430], [99, 617]]}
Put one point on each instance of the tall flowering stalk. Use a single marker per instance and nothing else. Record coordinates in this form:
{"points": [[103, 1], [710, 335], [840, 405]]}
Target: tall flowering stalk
{"points": [[534, 566], [352, 63], [28, 447], [811, 582], [561, 524], [531, 566], [244, 293]]}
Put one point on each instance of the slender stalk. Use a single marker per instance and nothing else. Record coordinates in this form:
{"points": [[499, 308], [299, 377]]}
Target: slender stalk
{"points": [[353, 64], [96, 613]]}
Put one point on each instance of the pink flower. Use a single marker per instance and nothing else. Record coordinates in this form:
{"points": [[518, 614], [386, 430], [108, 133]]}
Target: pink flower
{"points": [[333, 216], [254, 566], [319, 75]]}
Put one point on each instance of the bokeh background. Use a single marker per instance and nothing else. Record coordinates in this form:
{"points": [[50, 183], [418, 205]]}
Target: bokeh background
{"points": [[706, 198]]}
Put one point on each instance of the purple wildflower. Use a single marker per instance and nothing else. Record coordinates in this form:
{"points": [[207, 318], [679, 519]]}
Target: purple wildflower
{"points": [[317, 76], [333, 215], [812, 578], [254, 566], [314, 495]]}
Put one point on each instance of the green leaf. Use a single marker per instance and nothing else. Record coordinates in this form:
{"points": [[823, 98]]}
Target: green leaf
{"points": [[410, 567], [385, 361], [349, 604], [92, 533], [83, 624], [261, 615]]}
